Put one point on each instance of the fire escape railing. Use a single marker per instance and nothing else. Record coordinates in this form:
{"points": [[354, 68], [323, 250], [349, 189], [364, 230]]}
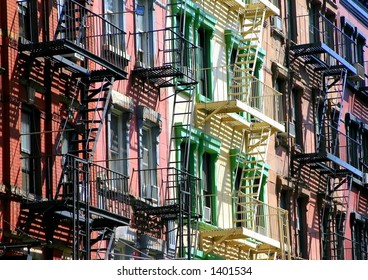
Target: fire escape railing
{"points": [[338, 47], [262, 98], [102, 188], [77, 32], [175, 60]]}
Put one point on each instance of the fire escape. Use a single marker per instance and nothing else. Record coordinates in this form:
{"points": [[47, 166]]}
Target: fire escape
{"points": [[90, 200], [324, 54], [175, 72], [250, 111]]}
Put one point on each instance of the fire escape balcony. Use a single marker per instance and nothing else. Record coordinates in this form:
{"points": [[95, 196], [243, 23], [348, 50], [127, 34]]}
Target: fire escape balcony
{"points": [[170, 66], [244, 6], [253, 106], [83, 42], [263, 232], [324, 46], [175, 191], [84, 185]]}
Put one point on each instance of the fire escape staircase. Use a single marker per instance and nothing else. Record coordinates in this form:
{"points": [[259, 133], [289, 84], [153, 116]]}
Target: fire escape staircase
{"points": [[334, 71], [335, 211], [252, 176], [325, 60]]}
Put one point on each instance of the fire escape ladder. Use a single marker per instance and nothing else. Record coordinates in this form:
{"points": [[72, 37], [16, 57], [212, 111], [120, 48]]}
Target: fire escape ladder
{"points": [[252, 176], [251, 29], [333, 91], [81, 224], [181, 185], [335, 210]]}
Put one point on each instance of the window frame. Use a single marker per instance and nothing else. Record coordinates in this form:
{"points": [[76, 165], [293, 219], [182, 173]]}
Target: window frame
{"points": [[122, 119], [206, 23], [30, 155], [149, 121], [144, 25]]}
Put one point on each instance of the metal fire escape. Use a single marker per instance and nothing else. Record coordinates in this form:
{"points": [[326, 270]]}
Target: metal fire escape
{"points": [[177, 72], [245, 111], [91, 200], [326, 59]]}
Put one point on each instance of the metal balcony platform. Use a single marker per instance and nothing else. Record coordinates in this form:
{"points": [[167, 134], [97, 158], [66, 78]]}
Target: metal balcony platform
{"points": [[64, 207], [327, 163], [55, 50], [164, 76], [228, 111], [311, 51]]}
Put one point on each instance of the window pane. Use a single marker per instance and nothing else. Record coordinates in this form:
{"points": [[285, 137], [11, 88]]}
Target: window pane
{"points": [[26, 128], [114, 133]]}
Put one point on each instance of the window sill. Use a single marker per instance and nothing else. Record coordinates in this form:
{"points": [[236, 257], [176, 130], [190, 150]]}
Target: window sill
{"points": [[204, 99]]}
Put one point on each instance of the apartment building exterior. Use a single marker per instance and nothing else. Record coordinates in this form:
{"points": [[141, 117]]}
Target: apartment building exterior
{"points": [[329, 156], [184, 129]]}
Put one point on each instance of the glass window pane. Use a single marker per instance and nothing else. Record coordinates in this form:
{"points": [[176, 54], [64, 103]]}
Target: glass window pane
{"points": [[25, 130]]}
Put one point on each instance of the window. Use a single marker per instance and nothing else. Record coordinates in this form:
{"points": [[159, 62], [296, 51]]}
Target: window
{"points": [[353, 43], [118, 139], [301, 227], [204, 62], [360, 44], [232, 50], [208, 169], [27, 20], [115, 14], [284, 200], [280, 86], [238, 216], [198, 158], [348, 44], [148, 157], [144, 38], [353, 144], [149, 123], [204, 29], [149, 162], [292, 20], [182, 55], [364, 155], [360, 236], [296, 115], [30, 151]]}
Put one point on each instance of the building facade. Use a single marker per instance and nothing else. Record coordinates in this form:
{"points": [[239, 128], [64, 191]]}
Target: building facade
{"points": [[186, 129]]}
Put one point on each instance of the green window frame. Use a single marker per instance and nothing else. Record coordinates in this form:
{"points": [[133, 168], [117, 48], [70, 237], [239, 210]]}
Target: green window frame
{"points": [[204, 27], [204, 149]]}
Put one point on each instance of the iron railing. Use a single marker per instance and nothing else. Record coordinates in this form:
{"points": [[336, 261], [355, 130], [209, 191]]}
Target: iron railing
{"points": [[326, 32], [96, 185], [262, 218], [168, 186], [76, 33]]}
